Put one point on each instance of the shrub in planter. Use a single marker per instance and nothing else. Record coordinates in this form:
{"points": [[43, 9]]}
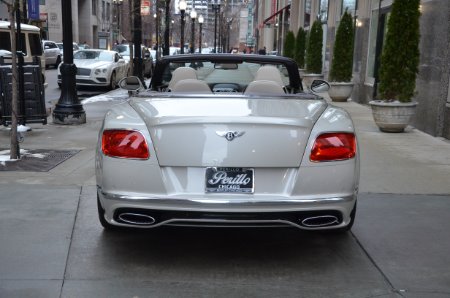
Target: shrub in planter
{"points": [[399, 67], [289, 45], [314, 49], [342, 64], [300, 47]]}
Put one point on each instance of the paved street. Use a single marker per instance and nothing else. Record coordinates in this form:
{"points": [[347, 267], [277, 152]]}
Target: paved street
{"points": [[51, 244]]}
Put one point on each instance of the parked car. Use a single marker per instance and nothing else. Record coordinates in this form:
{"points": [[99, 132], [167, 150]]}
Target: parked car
{"points": [[226, 140], [31, 45], [147, 60], [52, 53], [75, 48], [98, 68]]}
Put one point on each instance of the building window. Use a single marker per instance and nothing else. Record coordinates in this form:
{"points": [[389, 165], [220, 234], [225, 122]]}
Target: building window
{"points": [[41, 2], [377, 33], [307, 13], [108, 11], [103, 10], [94, 7], [350, 5], [323, 12]]}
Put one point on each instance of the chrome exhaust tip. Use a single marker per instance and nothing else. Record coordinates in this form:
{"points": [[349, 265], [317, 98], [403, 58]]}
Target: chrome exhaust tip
{"points": [[320, 221], [136, 219]]}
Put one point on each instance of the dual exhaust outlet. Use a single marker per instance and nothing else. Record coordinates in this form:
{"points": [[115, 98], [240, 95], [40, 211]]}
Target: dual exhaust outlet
{"points": [[145, 220]]}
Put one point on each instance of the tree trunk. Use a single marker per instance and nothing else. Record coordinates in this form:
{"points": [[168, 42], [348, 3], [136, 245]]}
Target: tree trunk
{"points": [[15, 78]]}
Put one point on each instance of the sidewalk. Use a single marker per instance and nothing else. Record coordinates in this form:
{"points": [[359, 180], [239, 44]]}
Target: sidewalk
{"points": [[406, 163]]}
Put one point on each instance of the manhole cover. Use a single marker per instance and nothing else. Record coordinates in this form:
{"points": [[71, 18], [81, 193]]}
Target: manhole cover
{"points": [[37, 160]]}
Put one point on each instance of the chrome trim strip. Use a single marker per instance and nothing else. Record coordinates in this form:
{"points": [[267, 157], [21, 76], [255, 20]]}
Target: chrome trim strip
{"points": [[222, 200], [230, 223]]}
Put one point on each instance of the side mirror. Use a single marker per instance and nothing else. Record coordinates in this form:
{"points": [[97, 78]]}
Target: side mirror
{"points": [[131, 84], [46, 47], [320, 86]]}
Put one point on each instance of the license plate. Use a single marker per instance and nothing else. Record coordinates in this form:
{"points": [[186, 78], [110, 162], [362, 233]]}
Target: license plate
{"points": [[237, 180]]}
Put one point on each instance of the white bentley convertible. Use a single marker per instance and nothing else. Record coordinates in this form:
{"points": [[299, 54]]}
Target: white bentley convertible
{"points": [[227, 140], [98, 68]]}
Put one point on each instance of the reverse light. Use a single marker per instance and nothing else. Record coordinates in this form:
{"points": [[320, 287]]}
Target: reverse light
{"points": [[124, 144], [333, 146]]}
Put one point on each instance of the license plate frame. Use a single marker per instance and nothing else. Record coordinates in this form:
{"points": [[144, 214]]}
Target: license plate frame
{"points": [[229, 180]]}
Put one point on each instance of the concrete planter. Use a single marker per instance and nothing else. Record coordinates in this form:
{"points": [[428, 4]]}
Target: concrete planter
{"points": [[340, 91], [392, 116], [308, 78]]}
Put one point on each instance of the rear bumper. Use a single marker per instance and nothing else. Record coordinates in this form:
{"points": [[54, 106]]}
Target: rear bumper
{"points": [[236, 211]]}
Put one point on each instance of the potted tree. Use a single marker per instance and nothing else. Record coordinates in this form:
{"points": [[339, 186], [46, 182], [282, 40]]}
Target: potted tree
{"points": [[314, 54], [342, 64], [300, 47], [289, 45], [399, 68]]}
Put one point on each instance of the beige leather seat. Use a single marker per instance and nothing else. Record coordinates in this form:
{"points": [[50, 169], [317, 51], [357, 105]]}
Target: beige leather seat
{"points": [[264, 87], [181, 73], [191, 86], [269, 73]]}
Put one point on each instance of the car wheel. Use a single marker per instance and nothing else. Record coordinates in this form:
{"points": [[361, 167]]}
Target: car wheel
{"points": [[101, 216], [58, 61], [112, 83]]}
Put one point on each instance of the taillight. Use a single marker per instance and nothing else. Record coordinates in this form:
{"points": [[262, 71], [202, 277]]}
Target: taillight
{"points": [[124, 144], [334, 146]]}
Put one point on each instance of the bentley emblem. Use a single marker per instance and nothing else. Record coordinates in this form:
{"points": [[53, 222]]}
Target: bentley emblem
{"points": [[230, 135]]}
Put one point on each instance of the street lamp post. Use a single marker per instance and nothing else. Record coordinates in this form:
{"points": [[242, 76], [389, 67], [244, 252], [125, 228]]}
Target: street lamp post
{"points": [[68, 110], [193, 17], [182, 6], [200, 22], [216, 7], [156, 16], [229, 21], [117, 4], [137, 63]]}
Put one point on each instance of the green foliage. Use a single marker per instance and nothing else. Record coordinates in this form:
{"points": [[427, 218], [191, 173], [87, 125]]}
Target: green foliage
{"points": [[342, 64], [289, 45], [314, 49], [400, 56], [300, 47]]}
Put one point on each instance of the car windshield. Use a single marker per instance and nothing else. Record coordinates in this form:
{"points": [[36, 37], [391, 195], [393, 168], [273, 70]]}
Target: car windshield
{"points": [[123, 50], [94, 55]]}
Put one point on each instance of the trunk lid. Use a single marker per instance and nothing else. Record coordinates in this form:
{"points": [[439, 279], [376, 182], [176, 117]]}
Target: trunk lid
{"points": [[229, 132]]}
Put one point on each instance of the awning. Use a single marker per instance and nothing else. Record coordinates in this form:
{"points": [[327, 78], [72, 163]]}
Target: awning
{"points": [[276, 13]]}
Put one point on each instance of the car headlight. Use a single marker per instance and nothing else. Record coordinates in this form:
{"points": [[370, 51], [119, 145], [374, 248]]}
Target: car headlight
{"points": [[100, 70]]}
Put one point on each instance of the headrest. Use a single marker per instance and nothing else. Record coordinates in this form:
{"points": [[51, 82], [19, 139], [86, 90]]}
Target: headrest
{"points": [[264, 87], [192, 86], [269, 73], [182, 73]]}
